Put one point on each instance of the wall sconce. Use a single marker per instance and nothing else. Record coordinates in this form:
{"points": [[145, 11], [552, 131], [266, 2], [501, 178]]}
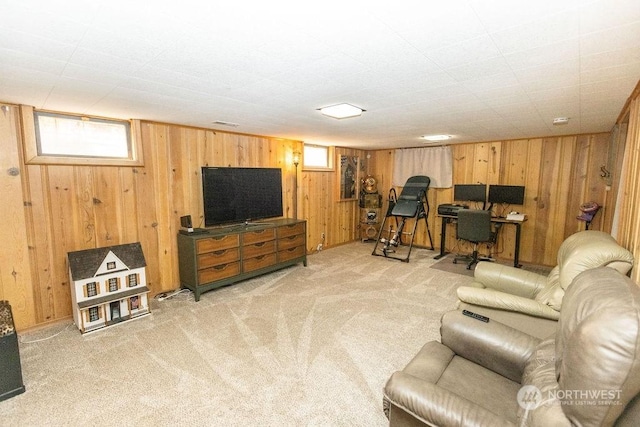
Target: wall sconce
{"points": [[295, 158]]}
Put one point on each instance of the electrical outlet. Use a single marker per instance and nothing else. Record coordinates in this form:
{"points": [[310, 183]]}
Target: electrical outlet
{"points": [[319, 248]]}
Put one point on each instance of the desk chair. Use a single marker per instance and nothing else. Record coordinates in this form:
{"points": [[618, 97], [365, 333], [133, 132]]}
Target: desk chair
{"points": [[475, 227], [412, 203]]}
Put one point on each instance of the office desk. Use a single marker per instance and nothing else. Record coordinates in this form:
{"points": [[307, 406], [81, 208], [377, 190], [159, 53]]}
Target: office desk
{"points": [[498, 222]]}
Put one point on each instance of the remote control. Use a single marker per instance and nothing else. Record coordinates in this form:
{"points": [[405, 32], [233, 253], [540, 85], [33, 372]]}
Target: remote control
{"points": [[476, 316]]}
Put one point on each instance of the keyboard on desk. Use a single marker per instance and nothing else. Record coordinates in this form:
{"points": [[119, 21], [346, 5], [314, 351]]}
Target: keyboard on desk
{"points": [[450, 209]]}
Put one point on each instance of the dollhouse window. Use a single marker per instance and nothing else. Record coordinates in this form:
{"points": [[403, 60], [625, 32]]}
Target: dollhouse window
{"points": [[94, 314], [111, 265], [113, 284], [92, 289], [135, 302], [133, 280]]}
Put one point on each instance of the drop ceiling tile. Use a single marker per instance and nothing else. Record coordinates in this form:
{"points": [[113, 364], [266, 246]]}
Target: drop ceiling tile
{"points": [[549, 31], [602, 15], [34, 45], [501, 14], [544, 55], [607, 74], [113, 44], [611, 39], [468, 51], [478, 70]]}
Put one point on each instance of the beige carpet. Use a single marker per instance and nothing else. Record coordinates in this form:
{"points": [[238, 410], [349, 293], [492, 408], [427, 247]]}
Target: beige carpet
{"points": [[300, 347]]}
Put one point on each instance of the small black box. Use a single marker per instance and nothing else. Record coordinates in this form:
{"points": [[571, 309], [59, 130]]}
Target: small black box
{"points": [[10, 368]]}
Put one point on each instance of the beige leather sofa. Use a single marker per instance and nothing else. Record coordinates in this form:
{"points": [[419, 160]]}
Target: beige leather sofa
{"points": [[531, 302], [489, 374]]}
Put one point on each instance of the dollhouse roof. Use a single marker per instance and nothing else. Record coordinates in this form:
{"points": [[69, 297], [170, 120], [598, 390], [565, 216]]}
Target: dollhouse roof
{"points": [[84, 264]]}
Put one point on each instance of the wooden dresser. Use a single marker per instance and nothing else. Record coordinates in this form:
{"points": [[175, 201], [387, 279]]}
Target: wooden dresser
{"points": [[226, 255]]}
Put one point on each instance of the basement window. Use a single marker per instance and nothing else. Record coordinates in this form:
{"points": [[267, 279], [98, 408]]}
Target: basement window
{"points": [[72, 139], [317, 157]]}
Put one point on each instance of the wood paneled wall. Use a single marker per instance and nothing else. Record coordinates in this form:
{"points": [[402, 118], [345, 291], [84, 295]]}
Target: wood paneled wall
{"points": [[54, 209], [627, 230], [559, 174]]}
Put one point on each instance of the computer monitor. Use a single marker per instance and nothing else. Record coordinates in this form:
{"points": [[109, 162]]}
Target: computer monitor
{"points": [[507, 194], [470, 192]]}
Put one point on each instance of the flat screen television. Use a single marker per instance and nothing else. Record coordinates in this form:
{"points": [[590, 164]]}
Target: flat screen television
{"points": [[506, 194], [470, 192], [236, 195]]}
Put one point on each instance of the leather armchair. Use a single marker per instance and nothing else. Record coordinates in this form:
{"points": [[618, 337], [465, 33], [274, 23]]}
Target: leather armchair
{"points": [[489, 374], [531, 302]]}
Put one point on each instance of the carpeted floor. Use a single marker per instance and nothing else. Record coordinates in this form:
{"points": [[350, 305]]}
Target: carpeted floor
{"points": [[302, 346], [446, 264]]}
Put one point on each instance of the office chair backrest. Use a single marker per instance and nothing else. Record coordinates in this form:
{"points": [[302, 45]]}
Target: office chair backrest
{"points": [[474, 225], [415, 187]]}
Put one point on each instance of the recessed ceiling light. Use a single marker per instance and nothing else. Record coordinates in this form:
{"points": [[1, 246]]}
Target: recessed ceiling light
{"points": [[435, 138], [341, 111], [560, 121]]}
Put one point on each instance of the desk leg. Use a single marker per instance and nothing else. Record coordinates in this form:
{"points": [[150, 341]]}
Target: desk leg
{"points": [[443, 238], [516, 253]]}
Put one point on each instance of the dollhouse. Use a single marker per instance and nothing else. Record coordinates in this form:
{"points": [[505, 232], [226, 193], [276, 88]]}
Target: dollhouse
{"points": [[108, 286]]}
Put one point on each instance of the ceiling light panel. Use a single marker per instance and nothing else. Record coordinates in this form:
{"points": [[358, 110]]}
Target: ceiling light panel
{"points": [[341, 111]]}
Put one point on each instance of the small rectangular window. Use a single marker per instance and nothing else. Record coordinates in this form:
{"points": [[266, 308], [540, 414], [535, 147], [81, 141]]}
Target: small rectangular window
{"points": [[76, 136], [94, 314], [317, 157], [59, 138]]}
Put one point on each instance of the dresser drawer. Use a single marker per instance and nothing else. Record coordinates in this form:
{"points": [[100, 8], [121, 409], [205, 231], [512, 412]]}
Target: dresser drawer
{"points": [[257, 249], [291, 253], [291, 241], [219, 272], [222, 256], [258, 236], [290, 230], [259, 262], [217, 243]]}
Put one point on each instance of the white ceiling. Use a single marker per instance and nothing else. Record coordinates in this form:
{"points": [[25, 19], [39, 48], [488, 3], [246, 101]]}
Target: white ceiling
{"points": [[477, 69]]}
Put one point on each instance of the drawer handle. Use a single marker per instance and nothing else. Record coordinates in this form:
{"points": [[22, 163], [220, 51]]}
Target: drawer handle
{"points": [[261, 244], [292, 237], [260, 257], [220, 252], [292, 249], [220, 267]]}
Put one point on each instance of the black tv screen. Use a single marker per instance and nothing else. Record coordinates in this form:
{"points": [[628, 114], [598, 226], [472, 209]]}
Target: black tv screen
{"points": [[507, 194], [234, 195], [470, 192]]}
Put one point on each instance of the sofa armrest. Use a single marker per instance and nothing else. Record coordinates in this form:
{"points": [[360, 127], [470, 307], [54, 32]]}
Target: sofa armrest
{"points": [[434, 405], [505, 301], [505, 278], [495, 346]]}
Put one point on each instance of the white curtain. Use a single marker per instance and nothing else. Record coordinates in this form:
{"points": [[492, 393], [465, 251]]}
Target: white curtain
{"points": [[434, 162]]}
